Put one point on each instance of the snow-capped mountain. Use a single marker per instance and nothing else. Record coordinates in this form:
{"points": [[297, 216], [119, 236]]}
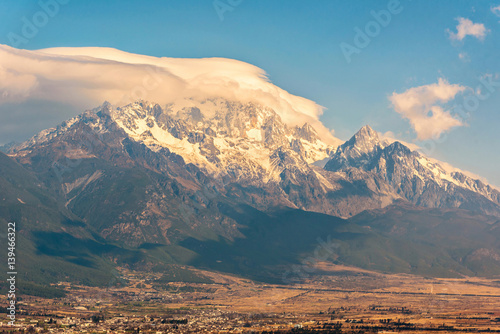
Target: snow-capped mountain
{"points": [[247, 152], [196, 156], [413, 176], [357, 151], [223, 170], [241, 141], [200, 177]]}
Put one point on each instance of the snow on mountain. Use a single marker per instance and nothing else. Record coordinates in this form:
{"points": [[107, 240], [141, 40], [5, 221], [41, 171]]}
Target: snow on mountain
{"points": [[223, 138], [226, 138], [358, 150], [409, 172], [249, 144]]}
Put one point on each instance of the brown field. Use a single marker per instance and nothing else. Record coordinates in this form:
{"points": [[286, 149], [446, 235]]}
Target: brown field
{"points": [[346, 300]]}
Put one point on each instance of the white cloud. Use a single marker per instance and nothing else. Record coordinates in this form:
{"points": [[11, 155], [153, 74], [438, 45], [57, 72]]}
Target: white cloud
{"points": [[15, 85], [423, 107], [466, 28], [495, 10], [85, 77]]}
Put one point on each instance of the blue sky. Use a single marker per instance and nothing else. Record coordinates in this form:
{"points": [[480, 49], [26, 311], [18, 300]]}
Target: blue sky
{"points": [[298, 44]]}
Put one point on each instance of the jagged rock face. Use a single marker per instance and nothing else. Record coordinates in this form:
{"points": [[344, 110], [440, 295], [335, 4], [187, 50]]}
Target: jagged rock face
{"points": [[173, 166], [187, 180], [413, 176], [227, 139], [147, 174], [249, 146], [357, 151]]}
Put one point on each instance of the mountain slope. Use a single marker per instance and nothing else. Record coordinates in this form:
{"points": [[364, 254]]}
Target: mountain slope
{"points": [[283, 245], [127, 192], [464, 242], [218, 150], [413, 176], [244, 150], [39, 217], [191, 183]]}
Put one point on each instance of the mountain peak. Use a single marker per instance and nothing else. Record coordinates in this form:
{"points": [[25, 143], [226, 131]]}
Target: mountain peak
{"points": [[366, 132], [364, 141], [354, 152]]}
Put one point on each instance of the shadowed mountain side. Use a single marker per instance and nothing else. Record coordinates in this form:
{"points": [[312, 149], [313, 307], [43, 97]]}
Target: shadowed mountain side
{"points": [[37, 215], [276, 242], [53, 244], [470, 240], [271, 241]]}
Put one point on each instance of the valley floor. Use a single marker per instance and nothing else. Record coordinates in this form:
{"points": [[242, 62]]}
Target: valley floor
{"points": [[337, 300]]}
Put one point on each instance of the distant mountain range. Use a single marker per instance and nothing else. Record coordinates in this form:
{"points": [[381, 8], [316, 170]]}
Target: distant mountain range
{"points": [[229, 186]]}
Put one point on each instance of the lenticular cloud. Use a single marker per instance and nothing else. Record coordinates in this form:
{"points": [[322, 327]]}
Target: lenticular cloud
{"points": [[85, 77]]}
